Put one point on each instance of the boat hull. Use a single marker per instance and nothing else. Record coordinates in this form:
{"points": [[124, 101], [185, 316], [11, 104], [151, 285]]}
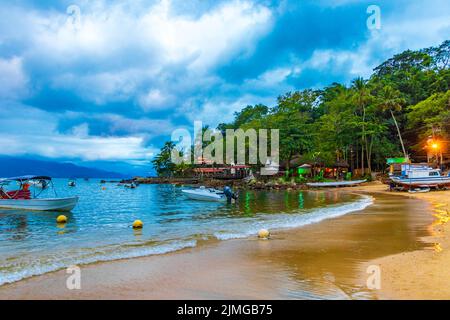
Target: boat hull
{"points": [[55, 204], [335, 184], [419, 190], [423, 182], [195, 195]]}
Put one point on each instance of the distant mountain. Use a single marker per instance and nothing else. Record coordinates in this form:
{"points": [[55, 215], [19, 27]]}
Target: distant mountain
{"points": [[11, 166]]}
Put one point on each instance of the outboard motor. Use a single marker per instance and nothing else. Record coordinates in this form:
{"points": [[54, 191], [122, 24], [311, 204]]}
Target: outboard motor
{"points": [[229, 194]]}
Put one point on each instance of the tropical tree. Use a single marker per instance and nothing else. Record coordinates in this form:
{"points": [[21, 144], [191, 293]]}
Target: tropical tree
{"points": [[362, 97], [431, 115], [162, 162], [391, 100]]}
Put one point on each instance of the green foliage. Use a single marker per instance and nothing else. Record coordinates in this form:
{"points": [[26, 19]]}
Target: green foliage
{"points": [[431, 115], [163, 164], [406, 99], [300, 179]]}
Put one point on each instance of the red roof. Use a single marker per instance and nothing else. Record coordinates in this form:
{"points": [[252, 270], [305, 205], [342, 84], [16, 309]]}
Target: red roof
{"points": [[209, 170]]}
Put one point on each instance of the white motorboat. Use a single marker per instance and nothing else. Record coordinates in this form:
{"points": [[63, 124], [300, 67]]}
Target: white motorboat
{"points": [[336, 183], [49, 204], [131, 185], [206, 194], [22, 198], [421, 177]]}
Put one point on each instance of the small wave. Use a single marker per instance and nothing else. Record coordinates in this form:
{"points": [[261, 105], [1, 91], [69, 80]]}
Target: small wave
{"points": [[288, 221], [21, 269], [36, 268]]}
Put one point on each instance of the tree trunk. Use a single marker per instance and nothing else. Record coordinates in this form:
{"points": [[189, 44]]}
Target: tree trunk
{"points": [[357, 156], [362, 159], [369, 155], [363, 140], [399, 134]]}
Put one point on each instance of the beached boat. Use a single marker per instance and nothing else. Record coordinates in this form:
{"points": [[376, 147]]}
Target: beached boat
{"points": [[335, 183], [419, 190], [204, 194], [21, 198], [422, 177]]}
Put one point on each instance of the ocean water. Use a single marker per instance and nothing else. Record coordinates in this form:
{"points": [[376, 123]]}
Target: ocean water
{"points": [[99, 228]]}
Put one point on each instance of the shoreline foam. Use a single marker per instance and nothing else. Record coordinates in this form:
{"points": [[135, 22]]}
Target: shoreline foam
{"points": [[274, 222]]}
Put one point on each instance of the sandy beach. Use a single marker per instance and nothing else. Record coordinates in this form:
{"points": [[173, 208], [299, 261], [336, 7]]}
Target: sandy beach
{"points": [[421, 274], [404, 234]]}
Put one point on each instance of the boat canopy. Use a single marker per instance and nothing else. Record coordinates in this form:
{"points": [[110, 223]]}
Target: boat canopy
{"points": [[27, 177]]}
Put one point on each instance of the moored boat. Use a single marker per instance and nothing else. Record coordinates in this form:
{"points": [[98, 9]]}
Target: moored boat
{"points": [[131, 185], [21, 198], [205, 194], [39, 183], [335, 183]]}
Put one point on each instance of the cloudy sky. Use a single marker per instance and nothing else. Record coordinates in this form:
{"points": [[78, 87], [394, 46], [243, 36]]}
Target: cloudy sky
{"points": [[104, 83]]}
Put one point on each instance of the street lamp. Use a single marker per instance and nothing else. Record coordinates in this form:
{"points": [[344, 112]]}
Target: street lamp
{"points": [[435, 146]]}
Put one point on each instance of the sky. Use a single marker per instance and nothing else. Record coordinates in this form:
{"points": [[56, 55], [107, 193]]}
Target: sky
{"points": [[104, 83]]}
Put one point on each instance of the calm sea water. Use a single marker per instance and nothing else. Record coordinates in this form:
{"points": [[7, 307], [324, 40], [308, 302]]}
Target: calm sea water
{"points": [[99, 228]]}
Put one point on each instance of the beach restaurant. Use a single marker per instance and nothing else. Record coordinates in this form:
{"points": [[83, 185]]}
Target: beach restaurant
{"points": [[226, 172]]}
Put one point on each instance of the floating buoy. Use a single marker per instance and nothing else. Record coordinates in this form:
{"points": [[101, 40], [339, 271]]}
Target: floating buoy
{"points": [[263, 234], [138, 224], [61, 219]]}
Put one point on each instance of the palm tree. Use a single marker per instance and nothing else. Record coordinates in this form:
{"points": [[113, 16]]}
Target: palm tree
{"points": [[162, 162], [362, 97], [392, 100]]}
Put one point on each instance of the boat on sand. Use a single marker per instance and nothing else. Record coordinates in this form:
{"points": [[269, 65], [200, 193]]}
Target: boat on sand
{"points": [[419, 190], [21, 198], [421, 177]]}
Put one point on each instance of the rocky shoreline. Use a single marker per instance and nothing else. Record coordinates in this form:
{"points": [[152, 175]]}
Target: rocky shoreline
{"points": [[253, 184]]}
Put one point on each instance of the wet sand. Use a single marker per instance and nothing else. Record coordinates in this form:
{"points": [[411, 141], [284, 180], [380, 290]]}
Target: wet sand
{"points": [[323, 260]]}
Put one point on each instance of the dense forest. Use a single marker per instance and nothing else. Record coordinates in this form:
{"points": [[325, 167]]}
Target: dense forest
{"points": [[392, 113]]}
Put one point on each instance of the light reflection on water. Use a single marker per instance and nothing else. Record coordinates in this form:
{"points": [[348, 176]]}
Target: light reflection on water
{"points": [[99, 227]]}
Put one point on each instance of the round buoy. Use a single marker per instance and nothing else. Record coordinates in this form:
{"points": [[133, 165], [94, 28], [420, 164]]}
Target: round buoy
{"points": [[138, 224], [61, 219], [263, 234]]}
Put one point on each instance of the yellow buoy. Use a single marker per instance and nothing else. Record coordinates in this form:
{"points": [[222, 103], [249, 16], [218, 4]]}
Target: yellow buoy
{"points": [[264, 234], [138, 224], [61, 219]]}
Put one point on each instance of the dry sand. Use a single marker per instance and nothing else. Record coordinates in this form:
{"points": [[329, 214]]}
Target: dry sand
{"points": [[323, 260]]}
